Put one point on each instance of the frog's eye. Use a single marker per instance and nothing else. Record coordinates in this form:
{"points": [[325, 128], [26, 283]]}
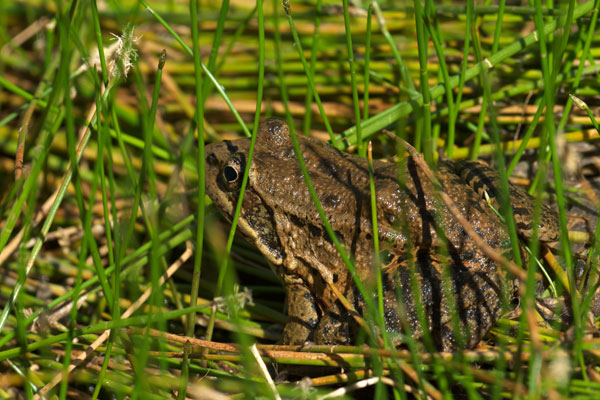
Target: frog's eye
{"points": [[233, 171]]}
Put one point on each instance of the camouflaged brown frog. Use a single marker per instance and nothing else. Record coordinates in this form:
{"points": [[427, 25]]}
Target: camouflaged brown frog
{"points": [[419, 238]]}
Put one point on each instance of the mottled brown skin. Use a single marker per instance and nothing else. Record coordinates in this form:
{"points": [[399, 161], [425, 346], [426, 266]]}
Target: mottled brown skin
{"points": [[417, 233]]}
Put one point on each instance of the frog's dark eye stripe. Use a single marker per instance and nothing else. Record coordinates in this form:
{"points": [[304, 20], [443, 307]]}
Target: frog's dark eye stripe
{"points": [[230, 146]]}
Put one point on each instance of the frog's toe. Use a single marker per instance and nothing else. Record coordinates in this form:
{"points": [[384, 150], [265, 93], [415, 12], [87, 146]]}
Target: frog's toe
{"points": [[334, 329], [297, 331]]}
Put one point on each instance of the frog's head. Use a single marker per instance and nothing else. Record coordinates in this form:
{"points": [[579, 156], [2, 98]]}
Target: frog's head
{"points": [[225, 165]]}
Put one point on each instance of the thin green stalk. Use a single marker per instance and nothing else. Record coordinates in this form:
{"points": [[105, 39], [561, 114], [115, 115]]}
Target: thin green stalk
{"points": [[112, 254], [234, 39], [498, 30], [528, 299], [367, 66], [582, 105], [49, 45], [14, 213], [561, 44], [185, 370], [530, 130], [359, 142], [200, 168], [200, 99], [213, 53], [313, 59], [138, 354], [6, 84], [104, 141], [311, 82], [377, 258], [49, 126], [147, 154], [103, 135], [483, 81], [73, 317], [403, 69], [422, 43], [223, 269], [21, 323], [99, 43], [23, 369], [156, 298], [341, 251], [505, 207], [584, 55], [549, 93], [435, 34], [380, 319], [64, 26], [102, 373]]}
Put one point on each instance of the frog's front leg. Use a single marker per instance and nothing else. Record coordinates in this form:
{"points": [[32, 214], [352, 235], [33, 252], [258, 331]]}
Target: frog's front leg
{"points": [[301, 310]]}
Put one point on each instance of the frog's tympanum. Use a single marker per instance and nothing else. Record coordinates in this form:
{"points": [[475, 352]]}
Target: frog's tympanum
{"points": [[461, 290]]}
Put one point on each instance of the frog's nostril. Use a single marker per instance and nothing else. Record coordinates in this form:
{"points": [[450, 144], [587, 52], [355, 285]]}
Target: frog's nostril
{"points": [[212, 159]]}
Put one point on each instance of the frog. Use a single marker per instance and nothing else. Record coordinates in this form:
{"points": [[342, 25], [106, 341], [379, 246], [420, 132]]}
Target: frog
{"points": [[435, 280]]}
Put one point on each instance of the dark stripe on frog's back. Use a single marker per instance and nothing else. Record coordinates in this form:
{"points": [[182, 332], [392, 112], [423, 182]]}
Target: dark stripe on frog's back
{"points": [[324, 156], [352, 173], [359, 183], [485, 179], [480, 178]]}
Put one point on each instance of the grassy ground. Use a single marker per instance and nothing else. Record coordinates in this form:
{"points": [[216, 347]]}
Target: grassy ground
{"points": [[102, 203]]}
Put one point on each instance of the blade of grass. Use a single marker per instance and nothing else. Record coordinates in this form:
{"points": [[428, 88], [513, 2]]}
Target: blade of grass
{"points": [[422, 43], [549, 94], [435, 34], [584, 55], [367, 65], [311, 84], [64, 28], [341, 251], [314, 48], [359, 143], [223, 267]]}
